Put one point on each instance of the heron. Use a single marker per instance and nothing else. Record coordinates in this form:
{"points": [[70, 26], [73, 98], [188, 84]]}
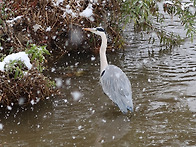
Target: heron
{"points": [[114, 81]]}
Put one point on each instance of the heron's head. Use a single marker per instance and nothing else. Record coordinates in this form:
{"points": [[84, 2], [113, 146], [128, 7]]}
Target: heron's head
{"points": [[98, 30]]}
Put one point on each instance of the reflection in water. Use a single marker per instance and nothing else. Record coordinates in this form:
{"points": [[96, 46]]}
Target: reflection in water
{"points": [[111, 128]]}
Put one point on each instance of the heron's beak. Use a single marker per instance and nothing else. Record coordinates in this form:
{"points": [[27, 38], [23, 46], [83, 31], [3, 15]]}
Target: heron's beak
{"points": [[88, 29]]}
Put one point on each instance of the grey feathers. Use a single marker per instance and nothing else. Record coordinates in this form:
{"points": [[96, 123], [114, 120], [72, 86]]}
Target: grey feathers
{"points": [[117, 87]]}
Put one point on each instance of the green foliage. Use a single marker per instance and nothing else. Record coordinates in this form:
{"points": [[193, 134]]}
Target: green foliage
{"points": [[4, 13], [51, 83], [37, 55], [15, 68], [188, 18], [143, 14]]}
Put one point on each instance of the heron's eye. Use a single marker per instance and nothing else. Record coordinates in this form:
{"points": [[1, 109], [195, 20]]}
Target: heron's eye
{"points": [[100, 30]]}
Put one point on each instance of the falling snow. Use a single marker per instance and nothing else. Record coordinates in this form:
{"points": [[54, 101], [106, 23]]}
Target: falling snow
{"points": [[76, 95], [9, 108], [68, 82], [79, 127], [21, 101], [59, 82], [92, 58], [1, 126]]}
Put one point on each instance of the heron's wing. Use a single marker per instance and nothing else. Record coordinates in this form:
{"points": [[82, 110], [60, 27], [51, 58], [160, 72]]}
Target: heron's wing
{"points": [[117, 87]]}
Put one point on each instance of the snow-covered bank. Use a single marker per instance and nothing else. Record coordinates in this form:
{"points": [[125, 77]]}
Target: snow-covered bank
{"points": [[22, 56]]}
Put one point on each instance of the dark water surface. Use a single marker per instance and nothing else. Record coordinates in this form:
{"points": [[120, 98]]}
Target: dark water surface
{"points": [[164, 96]]}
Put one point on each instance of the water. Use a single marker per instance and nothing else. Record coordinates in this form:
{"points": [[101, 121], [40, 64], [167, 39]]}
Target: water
{"points": [[164, 97]]}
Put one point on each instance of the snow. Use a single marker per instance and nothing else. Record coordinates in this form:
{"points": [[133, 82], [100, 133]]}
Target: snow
{"points": [[53, 69], [103, 120], [68, 11], [79, 127], [57, 2], [48, 29], [21, 101], [68, 81], [12, 21], [76, 95], [22, 56], [36, 27], [92, 58], [59, 82], [88, 12], [32, 102], [2, 64], [1, 126], [9, 107], [169, 2], [76, 36]]}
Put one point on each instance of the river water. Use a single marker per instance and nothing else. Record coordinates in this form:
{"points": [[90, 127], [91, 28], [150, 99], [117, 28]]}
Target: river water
{"points": [[164, 96]]}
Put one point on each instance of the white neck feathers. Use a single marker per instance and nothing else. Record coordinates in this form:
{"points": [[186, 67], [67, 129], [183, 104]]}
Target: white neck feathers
{"points": [[102, 52]]}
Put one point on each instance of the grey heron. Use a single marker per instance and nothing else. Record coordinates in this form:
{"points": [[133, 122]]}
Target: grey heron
{"points": [[115, 83]]}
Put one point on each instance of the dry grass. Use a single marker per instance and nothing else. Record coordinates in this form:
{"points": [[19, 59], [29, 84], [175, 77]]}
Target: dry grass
{"points": [[63, 25], [31, 88]]}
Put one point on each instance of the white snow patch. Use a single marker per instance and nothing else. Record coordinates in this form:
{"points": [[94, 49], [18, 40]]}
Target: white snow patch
{"points": [[53, 69], [76, 95], [57, 2], [36, 27], [12, 21], [53, 37], [22, 56], [88, 12], [48, 29], [168, 2], [2, 64], [68, 11]]}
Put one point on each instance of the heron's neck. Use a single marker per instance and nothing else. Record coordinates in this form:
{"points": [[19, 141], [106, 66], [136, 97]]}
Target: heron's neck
{"points": [[102, 52]]}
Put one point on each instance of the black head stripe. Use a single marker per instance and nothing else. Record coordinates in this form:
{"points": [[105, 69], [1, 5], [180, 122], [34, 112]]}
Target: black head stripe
{"points": [[100, 29]]}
